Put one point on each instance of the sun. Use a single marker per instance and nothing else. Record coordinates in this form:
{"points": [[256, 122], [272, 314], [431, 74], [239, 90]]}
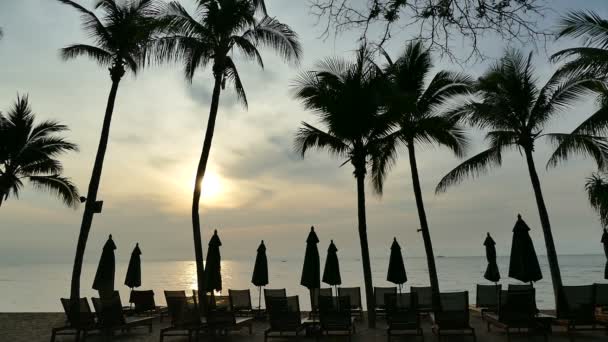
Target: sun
{"points": [[212, 187]]}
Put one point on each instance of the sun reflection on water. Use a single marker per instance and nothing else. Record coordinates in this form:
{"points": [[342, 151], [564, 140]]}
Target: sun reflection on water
{"points": [[189, 281]]}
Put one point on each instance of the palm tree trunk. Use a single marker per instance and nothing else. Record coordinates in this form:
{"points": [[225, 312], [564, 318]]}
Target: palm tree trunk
{"points": [[198, 183], [424, 226], [556, 276], [116, 72], [367, 269]]}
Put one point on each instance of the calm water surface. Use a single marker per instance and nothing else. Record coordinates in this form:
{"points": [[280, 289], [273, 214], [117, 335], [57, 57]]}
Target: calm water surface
{"points": [[38, 287]]}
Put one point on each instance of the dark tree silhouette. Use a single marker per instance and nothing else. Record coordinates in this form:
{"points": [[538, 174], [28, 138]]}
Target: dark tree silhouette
{"points": [[437, 23], [416, 99], [120, 38], [210, 36], [29, 151], [516, 112], [593, 55], [597, 192], [346, 97]]}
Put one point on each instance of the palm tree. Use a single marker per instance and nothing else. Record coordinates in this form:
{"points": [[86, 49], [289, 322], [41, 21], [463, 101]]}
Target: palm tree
{"points": [[516, 112], [593, 56], [597, 191], [421, 123], [29, 152], [120, 39], [346, 96], [210, 36]]}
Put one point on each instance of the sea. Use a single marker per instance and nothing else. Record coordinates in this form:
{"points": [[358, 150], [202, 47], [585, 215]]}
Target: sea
{"points": [[38, 287]]}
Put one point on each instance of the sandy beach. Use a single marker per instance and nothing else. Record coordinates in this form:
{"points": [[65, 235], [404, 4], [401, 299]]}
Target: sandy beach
{"points": [[33, 327]]}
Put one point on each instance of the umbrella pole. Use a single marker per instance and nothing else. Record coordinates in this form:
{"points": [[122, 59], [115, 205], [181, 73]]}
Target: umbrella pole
{"points": [[260, 298]]}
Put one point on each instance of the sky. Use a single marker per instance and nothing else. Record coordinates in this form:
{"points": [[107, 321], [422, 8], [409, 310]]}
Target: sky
{"points": [[258, 187]]}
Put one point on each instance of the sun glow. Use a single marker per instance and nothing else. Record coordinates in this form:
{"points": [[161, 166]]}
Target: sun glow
{"points": [[212, 187]]}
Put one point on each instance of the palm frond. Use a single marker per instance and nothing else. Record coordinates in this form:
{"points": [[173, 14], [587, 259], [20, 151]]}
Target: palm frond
{"points": [[443, 86], [41, 166], [101, 56], [59, 186], [91, 24], [383, 159], [309, 137], [596, 124], [273, 34], [587, 25], [439, 131], [248, 49], [581, 144], [475, 166], [232, 74], [597, 192]]}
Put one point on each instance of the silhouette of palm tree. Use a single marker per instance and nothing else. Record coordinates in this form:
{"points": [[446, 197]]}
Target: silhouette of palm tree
{"points": [[346, 97], [593, 56], [597, 192], [120, 37], [28, 151], [416, 105], [210, 37], [516, 112]]}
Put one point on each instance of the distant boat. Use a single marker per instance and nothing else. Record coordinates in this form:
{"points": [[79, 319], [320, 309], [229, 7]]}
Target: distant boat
{"points": [[441, 256]]}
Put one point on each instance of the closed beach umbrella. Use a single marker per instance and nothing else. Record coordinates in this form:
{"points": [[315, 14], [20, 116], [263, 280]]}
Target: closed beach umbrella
{"points": [[260, 270], [492, 273], [104, 277], [133, 278], [331, 272], [605, 242], [396, 269], [311, 271], [213, 269], [523, 265]]}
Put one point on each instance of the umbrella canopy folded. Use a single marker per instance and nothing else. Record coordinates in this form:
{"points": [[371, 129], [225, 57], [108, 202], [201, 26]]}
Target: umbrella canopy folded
{"points": [[605, 242], [523, 264], [213, 269], [311, 271], [396, 269], [492, 273], [133, 278], [331, 273], [260, 269], [104, 277]]}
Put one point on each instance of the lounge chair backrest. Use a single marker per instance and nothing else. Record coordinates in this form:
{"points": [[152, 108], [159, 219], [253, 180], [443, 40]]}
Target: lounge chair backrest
{"points": [[601, 295], [109, 311], [219, 313], [354, 293], [401, 309], [84, 317], [183, 311], [454, 310], [142, 300], [517, 306], [334, 312], [487, 296], [380, 293], [281, 293], [424, 295], [315, 294], [577, 303], [284, 313], [179, 294], [517, 287], [240, 300]]}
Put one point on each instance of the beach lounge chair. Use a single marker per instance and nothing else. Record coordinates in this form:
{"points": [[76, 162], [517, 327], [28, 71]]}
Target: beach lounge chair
{"points": [[144, 304], [601, 297], [576, 309], [516, 311], [380, 296], [486, 299], [111, 318], [281, 293], [81, 322], [517, 287], [335, 317], [284, 316], [354, 293], [185, 318], [220, 319], [401, 315], [424, 295], [240, 302], [453, 316], [314, 300]]}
